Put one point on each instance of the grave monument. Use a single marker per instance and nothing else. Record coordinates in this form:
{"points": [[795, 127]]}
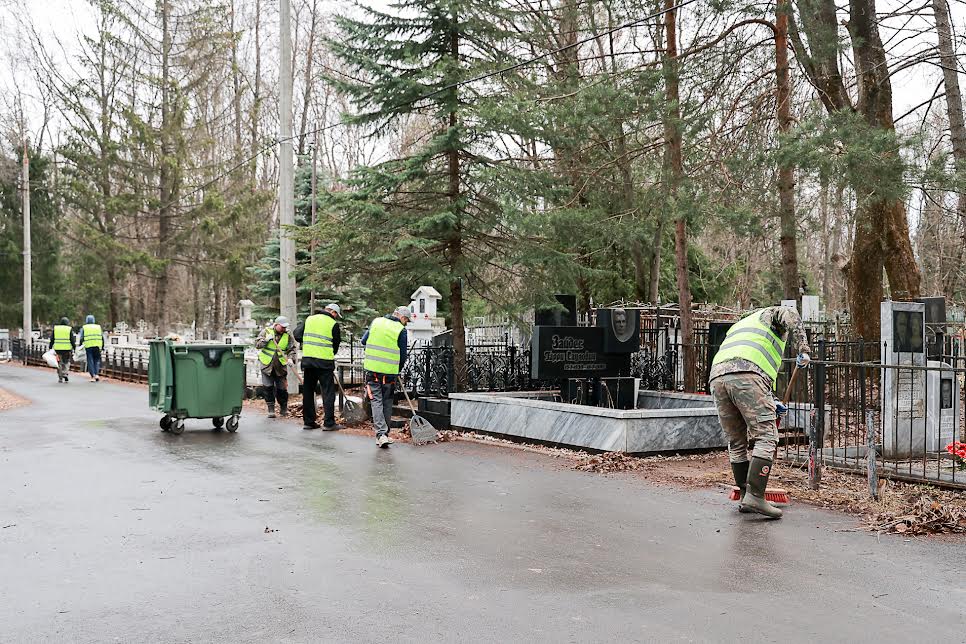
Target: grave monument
{"points": [[920, 397], [598, 404]]}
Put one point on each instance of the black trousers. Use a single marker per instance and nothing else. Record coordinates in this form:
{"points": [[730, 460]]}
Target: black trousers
{"points": [[323, 380], [275, 388]]}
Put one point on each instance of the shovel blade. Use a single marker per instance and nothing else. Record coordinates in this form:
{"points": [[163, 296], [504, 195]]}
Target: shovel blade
{"points": [[422, 430], [352, 412]]}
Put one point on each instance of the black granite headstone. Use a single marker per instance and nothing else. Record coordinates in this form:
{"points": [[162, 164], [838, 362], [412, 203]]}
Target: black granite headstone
{"points": [[716, 335], [622, 330], [935, 325], [573, 352], [557, 317]]}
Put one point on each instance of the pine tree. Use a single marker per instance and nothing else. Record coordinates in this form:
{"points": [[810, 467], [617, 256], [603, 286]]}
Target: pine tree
{"points": [[440, 212], [46, 243]]}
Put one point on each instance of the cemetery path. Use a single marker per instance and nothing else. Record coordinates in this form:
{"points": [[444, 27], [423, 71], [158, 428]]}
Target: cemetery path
{"points": [[110, 529]]}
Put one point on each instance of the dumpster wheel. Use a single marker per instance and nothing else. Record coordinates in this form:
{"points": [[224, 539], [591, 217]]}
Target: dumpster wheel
{"points": [[177, 427], [232, 424], [165, 423], [218, 422]]}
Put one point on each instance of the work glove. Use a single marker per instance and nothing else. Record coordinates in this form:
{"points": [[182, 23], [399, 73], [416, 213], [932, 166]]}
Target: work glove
{"points": [[802, 361], [781, 410]]}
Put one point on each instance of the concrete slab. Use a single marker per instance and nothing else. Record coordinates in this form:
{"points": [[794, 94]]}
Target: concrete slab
{"points": [[523, 415]]}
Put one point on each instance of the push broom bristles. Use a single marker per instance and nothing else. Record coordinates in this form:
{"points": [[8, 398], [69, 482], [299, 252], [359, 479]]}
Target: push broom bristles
{"points": [[772, 495]]}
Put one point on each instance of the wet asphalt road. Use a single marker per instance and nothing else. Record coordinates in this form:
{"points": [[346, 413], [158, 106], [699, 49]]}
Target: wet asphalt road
{"points": [[114, 531]]}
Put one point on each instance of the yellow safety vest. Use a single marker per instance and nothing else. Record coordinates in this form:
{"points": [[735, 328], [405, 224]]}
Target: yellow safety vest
{"points": [[269, 350], [382, 347], [755, 342], [93, 336], [62, 338], [317, 337]]}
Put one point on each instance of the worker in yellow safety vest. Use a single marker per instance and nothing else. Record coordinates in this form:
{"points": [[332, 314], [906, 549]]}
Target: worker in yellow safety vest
{"points": [[319, 337], [743, 377], [385, 345], [92, 339], [276, 351], [63, 340]]}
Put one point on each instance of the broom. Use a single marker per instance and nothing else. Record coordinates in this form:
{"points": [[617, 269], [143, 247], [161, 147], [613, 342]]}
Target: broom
{"points": [[776, 495]]}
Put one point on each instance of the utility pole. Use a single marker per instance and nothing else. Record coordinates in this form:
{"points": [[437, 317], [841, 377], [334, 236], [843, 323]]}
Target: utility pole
{"points": [[286, 177], [27, 267], [286, 174], [315, 179]]}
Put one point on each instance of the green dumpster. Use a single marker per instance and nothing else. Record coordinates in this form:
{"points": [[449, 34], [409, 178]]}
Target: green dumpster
{"points": [[196, 381]]}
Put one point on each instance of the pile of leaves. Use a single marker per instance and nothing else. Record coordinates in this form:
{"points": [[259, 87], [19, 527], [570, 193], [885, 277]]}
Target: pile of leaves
{"points": [[9, 400], [609, 462], [928, 515]]}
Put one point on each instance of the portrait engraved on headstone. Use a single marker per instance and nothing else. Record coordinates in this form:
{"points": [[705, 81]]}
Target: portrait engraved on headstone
{"points": [[618, 321], [907, 336]]}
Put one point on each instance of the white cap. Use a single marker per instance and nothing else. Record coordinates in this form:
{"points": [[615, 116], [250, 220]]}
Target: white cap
{"points": [[403, 312], [335, 308], [282, 320]]}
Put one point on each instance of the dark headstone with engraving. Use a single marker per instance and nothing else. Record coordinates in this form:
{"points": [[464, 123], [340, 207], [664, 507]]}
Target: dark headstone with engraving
{"points": [[556, 316], [935, 325], [573, 352], [716, 335], [622, 330]]}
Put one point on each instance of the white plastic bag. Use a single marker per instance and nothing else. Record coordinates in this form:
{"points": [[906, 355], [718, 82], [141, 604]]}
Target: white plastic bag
{"points": [[51, 358]]}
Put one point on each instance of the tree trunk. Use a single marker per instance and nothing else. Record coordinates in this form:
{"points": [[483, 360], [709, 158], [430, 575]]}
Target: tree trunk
{"points": [[826, 231], [786, 173], [957, 127], [165, 177], [236, 86], [456, 245], [307, 80], [864, 275], [657, 242], [675, 174], [257, 97], [881, 225]]}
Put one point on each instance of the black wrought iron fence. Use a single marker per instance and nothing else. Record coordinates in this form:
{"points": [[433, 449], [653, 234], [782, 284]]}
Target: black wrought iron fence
{"points": [[127, 365], [500, 367], [902, 422]]}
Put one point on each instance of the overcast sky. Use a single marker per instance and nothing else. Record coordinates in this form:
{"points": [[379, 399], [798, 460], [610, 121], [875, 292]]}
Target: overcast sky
{"points": [[69, 18]]}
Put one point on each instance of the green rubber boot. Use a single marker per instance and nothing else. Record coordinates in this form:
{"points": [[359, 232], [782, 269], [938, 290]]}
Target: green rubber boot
{"points": [[754, 498], [740, 470]]}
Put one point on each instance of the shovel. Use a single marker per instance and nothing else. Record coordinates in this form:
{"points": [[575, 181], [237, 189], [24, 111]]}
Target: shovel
{"points": [[352, 411], [420, 429]]}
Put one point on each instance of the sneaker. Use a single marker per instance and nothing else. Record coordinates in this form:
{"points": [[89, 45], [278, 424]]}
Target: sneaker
{"points": [[311, 426], [284, 412], [271, 412], [97, 378], [332, 428], [383, 441], [66, 379]]}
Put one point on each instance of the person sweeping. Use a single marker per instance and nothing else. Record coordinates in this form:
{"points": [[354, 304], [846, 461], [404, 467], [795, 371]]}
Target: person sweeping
{"points": [[744, 374], [276, 350]]}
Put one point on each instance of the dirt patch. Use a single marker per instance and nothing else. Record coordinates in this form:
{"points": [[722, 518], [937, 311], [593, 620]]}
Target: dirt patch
{"points": [[10, 400]]}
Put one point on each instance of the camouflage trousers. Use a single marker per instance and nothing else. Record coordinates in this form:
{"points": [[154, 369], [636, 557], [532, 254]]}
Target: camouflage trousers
{"points": [[746, 411]]}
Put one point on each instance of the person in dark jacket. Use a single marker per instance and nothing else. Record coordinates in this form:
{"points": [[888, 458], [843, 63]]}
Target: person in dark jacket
{"points": [[63, 340], [319, 337]]}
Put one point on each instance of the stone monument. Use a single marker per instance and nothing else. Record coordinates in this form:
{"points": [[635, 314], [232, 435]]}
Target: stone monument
{"points": [[425, 323], [903, 391]]}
